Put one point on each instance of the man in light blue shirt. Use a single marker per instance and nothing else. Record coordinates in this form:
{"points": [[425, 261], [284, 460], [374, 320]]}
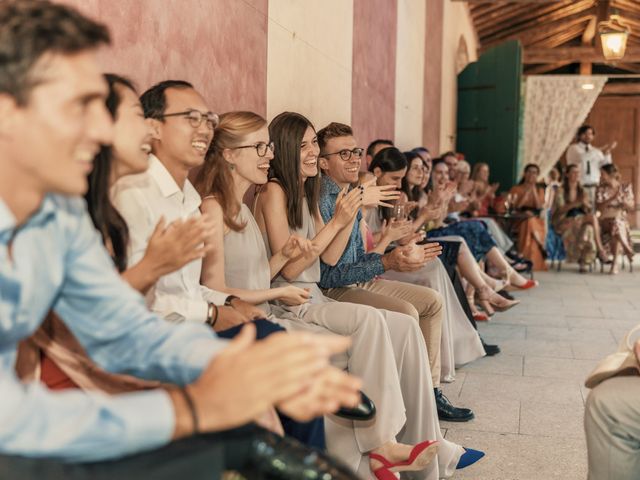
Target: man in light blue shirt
{"points": [[52, 122]]}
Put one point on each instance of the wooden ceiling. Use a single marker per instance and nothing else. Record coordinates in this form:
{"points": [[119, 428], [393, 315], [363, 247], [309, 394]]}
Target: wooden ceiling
{"points": [[558, 35]]}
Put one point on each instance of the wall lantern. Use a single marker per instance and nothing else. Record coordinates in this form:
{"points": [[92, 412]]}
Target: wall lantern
{"points": [[613, 37]]}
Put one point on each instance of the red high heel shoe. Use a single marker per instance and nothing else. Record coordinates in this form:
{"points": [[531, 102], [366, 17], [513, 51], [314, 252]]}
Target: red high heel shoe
{"points": [[529, 284], [421, 455]]}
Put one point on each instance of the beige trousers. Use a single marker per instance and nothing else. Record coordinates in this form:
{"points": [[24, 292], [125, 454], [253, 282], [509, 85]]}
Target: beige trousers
{"points": [[612, 425], [423, 304]]}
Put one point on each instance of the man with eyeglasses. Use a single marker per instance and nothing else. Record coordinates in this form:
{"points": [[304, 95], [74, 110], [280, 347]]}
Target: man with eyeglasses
{"points": [[354, 278], [182, 130]]}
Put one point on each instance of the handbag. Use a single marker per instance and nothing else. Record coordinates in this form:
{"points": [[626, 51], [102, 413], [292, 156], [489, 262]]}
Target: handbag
{"points": [[621, 363]]}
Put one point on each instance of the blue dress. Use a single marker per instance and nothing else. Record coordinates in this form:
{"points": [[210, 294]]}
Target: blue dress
{"points": [[553, 243], [474, 232]]}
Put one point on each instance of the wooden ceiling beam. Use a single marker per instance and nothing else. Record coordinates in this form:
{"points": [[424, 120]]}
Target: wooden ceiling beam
{"points": [[497, 20], [532, 36], [574, 55], [549, 21], [629, 5], [531, 14], [544, 68], [630, 67], [561, 37]]}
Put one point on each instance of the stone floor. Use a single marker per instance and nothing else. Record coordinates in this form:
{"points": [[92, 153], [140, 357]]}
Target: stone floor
{"points": [[529, 400]]}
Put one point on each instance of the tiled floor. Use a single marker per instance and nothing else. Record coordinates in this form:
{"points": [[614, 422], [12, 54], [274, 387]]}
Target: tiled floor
{"points": [[529, 400]]}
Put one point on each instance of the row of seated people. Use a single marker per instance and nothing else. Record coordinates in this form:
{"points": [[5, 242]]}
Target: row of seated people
{"points": [[431, 202], [590, 221], [298, 267]]}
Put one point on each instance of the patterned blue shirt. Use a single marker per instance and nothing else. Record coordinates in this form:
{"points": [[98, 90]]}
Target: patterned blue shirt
{"points": [[58, 262], [354, 266]]}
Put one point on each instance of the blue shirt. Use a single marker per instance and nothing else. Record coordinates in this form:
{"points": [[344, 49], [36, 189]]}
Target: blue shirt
{"points": [[58, 262], [354, 266]]}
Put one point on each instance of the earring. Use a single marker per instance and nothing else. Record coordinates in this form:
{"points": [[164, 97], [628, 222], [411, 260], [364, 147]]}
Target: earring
{"points": [[232, 166]]}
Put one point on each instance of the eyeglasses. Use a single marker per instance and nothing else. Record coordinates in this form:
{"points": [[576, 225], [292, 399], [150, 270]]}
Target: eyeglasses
{"points": [[345, 154], [261, 148], [196, 117]]}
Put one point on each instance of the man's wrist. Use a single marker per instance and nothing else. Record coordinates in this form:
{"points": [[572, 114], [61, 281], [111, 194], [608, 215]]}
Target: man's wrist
{"points": [[228, 302], [386, 262]]}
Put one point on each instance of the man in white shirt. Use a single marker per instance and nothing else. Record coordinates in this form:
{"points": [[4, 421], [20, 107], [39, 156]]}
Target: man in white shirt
{"points": [[165, 191], [588, 157]]}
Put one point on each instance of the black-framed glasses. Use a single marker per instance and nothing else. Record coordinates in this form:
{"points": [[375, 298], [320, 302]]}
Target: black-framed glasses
{"points": [[345, 154], [196, 117], [261, 148]]}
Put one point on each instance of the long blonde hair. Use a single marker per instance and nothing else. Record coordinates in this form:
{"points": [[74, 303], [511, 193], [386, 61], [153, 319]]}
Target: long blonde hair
{"points": [[215, 179]]}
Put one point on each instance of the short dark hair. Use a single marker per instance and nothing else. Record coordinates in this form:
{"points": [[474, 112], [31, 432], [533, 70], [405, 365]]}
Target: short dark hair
{"points": [[389, 159], [30, 29], [421, 150], [375, 143], [333, 130], [584, 129], [154, 99], [437, 161]]}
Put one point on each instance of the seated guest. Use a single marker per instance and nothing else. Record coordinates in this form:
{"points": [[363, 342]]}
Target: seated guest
{"points": [[475, 233], [460, 342], [573, 219], [425, 155], [245, 268], [374, 147], [182, 129], [354, 277], [212, 386], [612, 424], [614, 200], [529, 200], [466, 190], [483, 191], [553, 243]]}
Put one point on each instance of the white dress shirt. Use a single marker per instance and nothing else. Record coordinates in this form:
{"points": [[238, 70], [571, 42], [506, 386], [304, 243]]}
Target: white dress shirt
{"points": [[142, 199], [589, 159]]}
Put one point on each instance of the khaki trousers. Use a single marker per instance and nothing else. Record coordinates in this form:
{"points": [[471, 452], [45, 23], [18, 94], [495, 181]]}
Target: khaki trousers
{"points": [[423, 304], [612, 425]]}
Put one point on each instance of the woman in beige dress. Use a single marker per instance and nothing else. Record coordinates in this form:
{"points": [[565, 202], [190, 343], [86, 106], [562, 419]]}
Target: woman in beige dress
{"points": [[613, 200], [396, 376]]}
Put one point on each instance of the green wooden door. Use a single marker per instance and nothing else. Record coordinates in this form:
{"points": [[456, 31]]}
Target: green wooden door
{"points": [[489, 111]]}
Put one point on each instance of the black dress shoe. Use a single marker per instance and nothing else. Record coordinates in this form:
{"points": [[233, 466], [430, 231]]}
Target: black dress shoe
{"points": [[490, 350], [365, 410], [282, 458], [448, 412], [506, 295]]}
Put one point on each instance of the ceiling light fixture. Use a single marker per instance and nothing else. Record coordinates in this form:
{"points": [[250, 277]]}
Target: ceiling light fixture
{"points": [[613, 37]]}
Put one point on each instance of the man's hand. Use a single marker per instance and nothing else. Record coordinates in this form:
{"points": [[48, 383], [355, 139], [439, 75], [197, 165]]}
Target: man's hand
{"points": [[403, 259], [246, 309], [332, 389], [248, 377], [347, 206], [229, 317]]}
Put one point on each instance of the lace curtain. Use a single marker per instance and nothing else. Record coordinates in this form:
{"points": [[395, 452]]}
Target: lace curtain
{"points": [[554, 107]]}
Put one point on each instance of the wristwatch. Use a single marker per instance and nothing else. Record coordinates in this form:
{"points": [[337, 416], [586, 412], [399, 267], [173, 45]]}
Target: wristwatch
{"points": [[228, 300]]}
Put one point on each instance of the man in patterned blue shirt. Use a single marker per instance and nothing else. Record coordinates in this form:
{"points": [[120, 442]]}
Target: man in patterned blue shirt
{"points": [[354, 277], [53, 120]]}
